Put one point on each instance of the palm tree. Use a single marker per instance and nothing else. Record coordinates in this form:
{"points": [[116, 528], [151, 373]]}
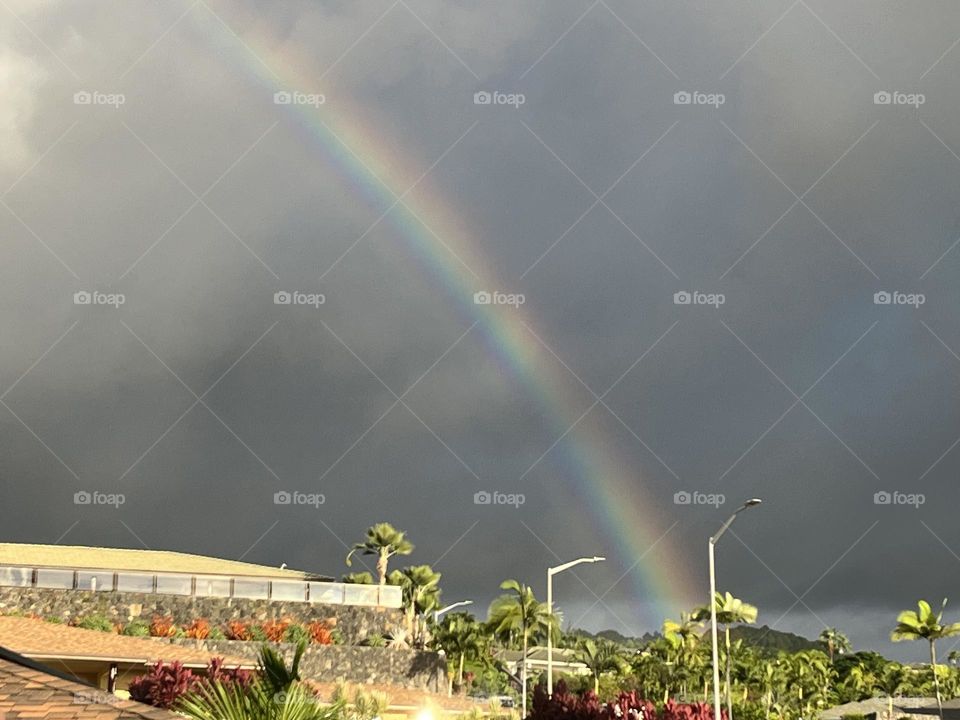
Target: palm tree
{"points": [[730, 610], [421, 594], [384, 541], [520, 613], [600, 657], [275, 694], [922, 624], [358, 578], [894, 680], [684, 637], [835, 641], [459, 636]]}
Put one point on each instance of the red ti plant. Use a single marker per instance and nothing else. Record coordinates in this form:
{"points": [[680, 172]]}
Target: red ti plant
{"points": [[237, 630], [275, 629], [163, 685], [162, 626], [199, 629]]}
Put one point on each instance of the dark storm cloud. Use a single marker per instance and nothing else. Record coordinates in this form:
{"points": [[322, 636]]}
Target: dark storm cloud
{"points": [[798, 198]]}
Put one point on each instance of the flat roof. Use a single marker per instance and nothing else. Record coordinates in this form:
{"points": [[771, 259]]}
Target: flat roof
{"points": [[81, 557]]}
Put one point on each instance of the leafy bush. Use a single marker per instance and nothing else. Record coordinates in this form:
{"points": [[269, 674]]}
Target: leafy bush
{"points": [[296, 633], [216, 634], [199, 629], [257, 633], [163, 686], [237, 630], [565, 705], [374, 640], [320, 633], [137, 628], [162, 626], [275, 630], [95, 622]]}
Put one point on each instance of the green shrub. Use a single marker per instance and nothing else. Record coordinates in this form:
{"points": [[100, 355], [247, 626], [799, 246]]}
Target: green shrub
{"points": [[216, 634], [137, 628], [295, 633], [55, 619], [96, 622], [374, 640], [257, 633]]}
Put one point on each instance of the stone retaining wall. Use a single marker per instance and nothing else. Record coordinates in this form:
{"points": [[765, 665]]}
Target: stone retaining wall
{"points": [[329, 663], [354, 623]]}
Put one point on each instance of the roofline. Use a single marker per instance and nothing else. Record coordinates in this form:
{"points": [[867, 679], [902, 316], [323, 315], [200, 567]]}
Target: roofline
{"points": [[18, 659], [134, 661]]}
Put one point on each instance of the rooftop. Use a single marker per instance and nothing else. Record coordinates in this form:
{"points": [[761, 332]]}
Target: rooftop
{"points": [[125, 559], [45, 640], [30, 690]]}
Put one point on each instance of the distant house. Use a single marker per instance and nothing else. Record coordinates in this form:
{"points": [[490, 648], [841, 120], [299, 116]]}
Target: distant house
{"points": [[564, 661], [31, 690], [161, 572], [105, 660], [903, 707]]}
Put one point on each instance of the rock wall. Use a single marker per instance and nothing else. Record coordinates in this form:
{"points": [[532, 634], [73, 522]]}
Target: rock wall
{"points": [[354, 623], [330, 663]]}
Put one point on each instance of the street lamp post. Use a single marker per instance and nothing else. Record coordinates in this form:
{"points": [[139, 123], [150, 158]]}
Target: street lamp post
{"points": [[441, 611], [713, 603], [550, 573]]}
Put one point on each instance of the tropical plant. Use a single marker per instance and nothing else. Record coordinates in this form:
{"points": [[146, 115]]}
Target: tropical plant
{"points": [[730, 610], [421, 595], [383, 541], [136, 628], [835, 642], [600, 656], [519, 615], [360, 704], [923, 624], [163, 686], [461, 638]]}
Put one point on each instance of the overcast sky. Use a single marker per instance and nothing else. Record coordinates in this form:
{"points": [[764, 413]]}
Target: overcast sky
{"points": [[784, 193]]}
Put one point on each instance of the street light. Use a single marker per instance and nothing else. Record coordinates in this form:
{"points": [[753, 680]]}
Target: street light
{"points": [[441, 611], [550, 573], [713, 603]]}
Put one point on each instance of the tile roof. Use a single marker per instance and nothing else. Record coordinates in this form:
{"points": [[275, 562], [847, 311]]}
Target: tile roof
{"points": [[28, 690], [135, 560], [40, 639]]}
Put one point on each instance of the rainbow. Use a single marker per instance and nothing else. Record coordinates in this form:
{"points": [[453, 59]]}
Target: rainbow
{"points": [[608, 486]]}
